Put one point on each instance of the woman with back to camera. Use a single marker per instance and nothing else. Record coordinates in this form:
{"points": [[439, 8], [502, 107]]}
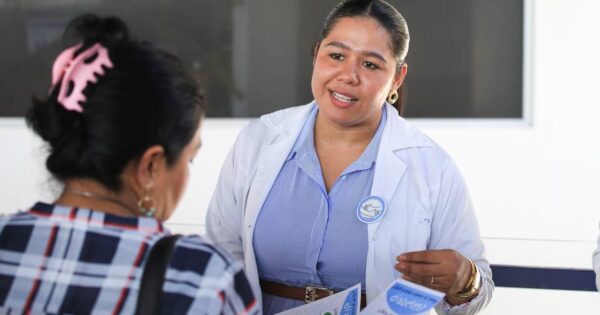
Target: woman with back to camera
{"points": [[343, 190], [122, 122]]}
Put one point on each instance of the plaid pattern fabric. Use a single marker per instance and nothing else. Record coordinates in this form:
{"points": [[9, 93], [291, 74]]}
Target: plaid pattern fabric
{"points": [[62, 260]]}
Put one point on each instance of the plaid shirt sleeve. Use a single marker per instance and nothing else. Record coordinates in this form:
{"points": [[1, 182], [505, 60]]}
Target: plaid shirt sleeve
{"points": [[222, 289], [62, 260]]}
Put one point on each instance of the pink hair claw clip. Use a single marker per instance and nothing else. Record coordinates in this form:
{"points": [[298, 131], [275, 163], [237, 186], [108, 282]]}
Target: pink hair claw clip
{"points": [[78, 71]]}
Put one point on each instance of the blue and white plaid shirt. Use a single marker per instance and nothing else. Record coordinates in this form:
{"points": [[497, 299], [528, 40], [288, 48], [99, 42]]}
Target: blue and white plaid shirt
{"points": [[61, 260]]}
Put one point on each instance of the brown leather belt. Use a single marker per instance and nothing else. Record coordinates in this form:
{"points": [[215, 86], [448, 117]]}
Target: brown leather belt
{"points": [[307, 294]]}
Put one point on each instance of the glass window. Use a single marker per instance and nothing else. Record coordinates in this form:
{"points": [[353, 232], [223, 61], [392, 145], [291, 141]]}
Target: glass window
{"points": [[255, 56]]}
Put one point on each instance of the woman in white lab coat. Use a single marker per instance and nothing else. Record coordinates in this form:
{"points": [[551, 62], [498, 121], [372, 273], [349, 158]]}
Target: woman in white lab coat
{"points": [[343, 190]]}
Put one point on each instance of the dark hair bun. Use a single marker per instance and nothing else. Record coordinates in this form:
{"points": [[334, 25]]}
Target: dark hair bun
{"points": [[52, 122], [90, 29]]}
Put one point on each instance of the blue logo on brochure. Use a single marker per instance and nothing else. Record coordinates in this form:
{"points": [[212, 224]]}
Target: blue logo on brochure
{"points": [[370, 209], [406, 300], [349, 306]]}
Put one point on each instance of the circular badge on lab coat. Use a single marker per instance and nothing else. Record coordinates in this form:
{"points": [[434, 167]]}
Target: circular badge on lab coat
{"points": [[370, 209]]}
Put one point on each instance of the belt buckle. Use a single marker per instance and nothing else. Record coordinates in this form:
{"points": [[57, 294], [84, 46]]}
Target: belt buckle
{"points": [[314, 293]]}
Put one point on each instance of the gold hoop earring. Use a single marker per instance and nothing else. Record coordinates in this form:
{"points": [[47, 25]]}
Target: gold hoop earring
{"points": [[147, 204], [393, 97]]}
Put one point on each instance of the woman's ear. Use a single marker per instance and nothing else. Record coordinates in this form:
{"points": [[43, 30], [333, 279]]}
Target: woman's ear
{"points": [[399, 76], [151, 164]]}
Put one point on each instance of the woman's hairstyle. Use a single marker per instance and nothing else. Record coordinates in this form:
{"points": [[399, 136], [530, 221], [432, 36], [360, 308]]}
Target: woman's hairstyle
{"points": [[383, 13], [146, 97]]}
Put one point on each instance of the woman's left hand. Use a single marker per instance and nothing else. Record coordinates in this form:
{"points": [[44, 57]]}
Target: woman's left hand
{"points": [[443, 270]]}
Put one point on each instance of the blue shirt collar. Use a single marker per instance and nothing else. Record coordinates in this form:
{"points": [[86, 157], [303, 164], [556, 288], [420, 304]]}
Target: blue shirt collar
{"points": [[304, 148]]}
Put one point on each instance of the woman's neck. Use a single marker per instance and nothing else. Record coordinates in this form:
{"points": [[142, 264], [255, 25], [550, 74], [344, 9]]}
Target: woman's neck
{"points": [[85, 193], [328, 132]]}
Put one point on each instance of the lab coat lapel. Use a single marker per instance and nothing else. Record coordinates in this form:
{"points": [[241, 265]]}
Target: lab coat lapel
{"points": [[270, 161], [389, 170]]}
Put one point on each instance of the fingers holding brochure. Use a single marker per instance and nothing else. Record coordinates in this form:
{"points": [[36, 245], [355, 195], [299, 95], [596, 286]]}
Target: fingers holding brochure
{"points": [[444, 270]]}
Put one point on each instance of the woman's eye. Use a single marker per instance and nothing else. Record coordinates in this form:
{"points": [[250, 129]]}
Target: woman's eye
{"points": [[336, 56], [370, 65]]}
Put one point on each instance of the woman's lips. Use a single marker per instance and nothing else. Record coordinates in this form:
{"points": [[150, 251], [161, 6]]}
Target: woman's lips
{"points": [[342, 100]]}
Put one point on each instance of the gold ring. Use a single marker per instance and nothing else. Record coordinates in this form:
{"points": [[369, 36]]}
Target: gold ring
{"points": [[432, 281]]}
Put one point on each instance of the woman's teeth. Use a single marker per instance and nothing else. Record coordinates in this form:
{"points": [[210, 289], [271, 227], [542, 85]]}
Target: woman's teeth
{"points": [[342, 98]]}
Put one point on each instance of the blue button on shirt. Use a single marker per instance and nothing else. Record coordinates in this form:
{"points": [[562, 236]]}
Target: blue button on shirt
{"points": [[306, 236]]}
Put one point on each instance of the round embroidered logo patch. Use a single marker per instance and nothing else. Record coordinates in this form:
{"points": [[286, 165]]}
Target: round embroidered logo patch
{"points": [[370, 209]]}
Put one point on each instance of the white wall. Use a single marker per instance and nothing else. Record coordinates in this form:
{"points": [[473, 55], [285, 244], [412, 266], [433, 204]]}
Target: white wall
{"points": [[534, 182]]}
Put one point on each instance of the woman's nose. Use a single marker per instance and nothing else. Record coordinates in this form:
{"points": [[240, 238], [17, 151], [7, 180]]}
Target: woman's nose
{"points": [[349, 73]]}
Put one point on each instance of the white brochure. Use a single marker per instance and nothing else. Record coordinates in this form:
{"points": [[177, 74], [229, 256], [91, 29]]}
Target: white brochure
{"points": [[403, 297], [346, 302]]}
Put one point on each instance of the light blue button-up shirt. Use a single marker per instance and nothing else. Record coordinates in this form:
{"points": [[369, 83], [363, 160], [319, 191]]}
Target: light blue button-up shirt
{"points": [[306, 236]]}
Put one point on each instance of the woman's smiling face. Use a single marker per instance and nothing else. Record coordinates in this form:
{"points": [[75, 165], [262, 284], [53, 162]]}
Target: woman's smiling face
{"points": [[354, 71]]}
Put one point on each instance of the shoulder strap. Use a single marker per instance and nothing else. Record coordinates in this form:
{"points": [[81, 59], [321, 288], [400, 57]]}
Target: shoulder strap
{"points": [[153, 276]]}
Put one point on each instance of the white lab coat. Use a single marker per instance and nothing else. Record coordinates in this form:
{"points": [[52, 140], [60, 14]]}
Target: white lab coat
{"points": [[428, 206]]}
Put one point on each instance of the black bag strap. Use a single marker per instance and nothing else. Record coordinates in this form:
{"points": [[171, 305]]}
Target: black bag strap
{"points": [[153, 276]]}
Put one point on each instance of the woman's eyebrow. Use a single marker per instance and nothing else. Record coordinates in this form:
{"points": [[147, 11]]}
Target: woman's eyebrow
{"points": [[364, 52]]}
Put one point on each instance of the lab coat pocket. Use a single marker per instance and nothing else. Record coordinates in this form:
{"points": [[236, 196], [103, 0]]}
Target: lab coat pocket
{"points": [[421, 230], [411, 235], [411, 230]]}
